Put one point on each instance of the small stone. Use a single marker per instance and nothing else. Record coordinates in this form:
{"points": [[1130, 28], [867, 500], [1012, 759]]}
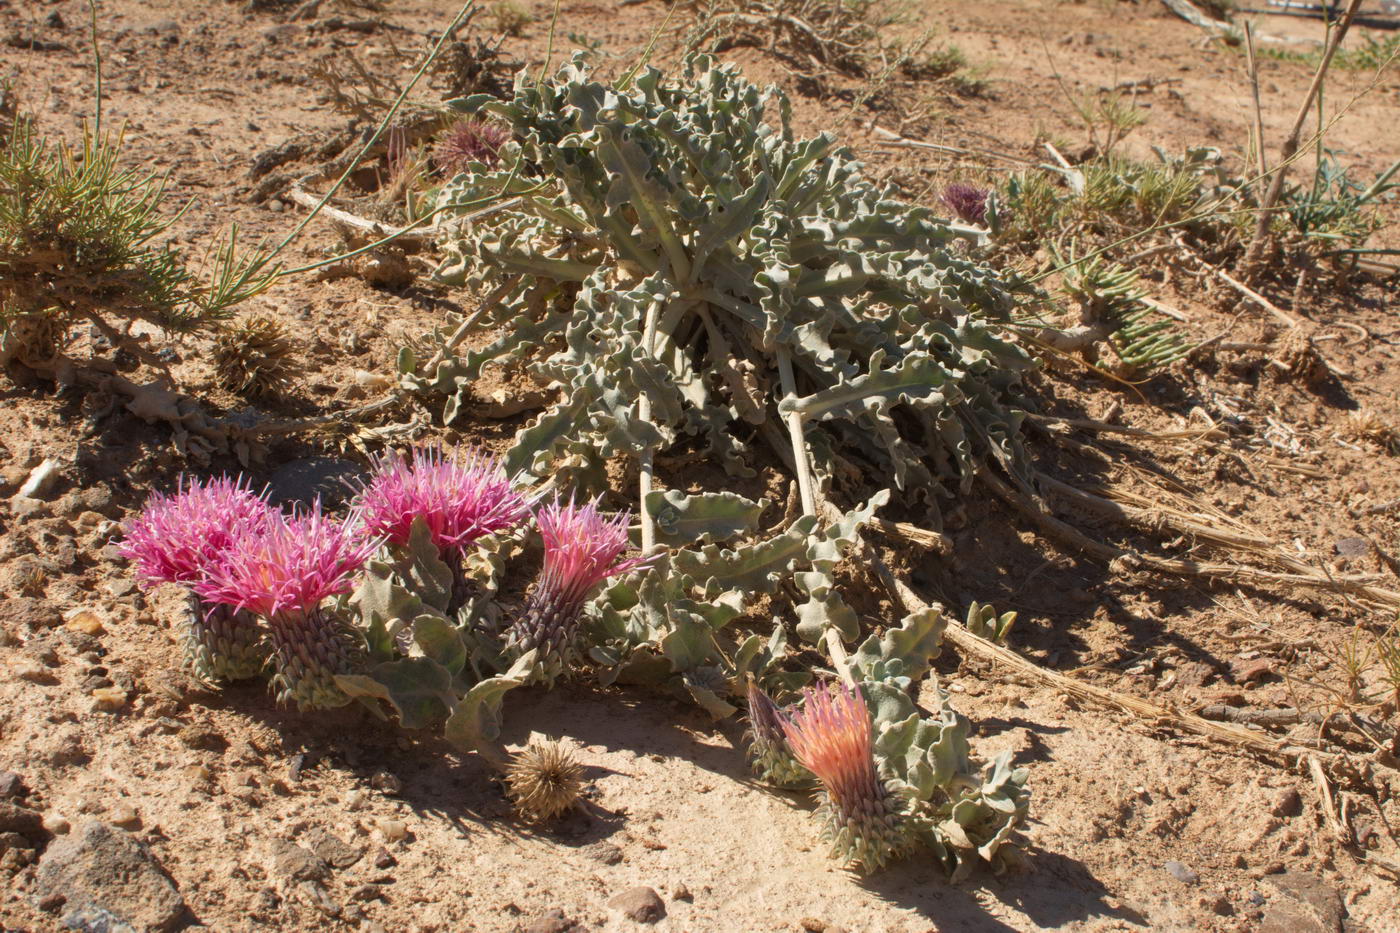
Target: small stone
{"points": [[356, 800], [639, 903], [1256, 669], [334, 851], [681, 893], [604, 852], [57, 824], [392, 830], [301, 482], [291, 861], [1288, 802], [386, 782], [125, 816], [552, 921], [203, 738], [40, 481], [383, 859], [12, 786], [103, 871], [368, 892], [85, 621], [31, 670], [109, 698], [1181, 873], [17, 819], [1352, 547]]}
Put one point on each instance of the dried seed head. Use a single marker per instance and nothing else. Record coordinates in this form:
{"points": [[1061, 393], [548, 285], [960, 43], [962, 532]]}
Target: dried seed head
{"points": [[179, 538], [831, 736], [544, 780], [253, 357], [1366, 425], [769, 753], [468, 141]]}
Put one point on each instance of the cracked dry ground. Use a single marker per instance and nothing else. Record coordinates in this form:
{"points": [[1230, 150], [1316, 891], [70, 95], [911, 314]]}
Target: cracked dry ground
{"points": [[169, 805]]}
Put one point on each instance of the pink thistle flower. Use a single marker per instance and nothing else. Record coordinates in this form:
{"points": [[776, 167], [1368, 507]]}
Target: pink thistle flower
{"points": [[968, 202], [290, 565], [831, 737], [461, 497], [581, 551], [284, 573], [176, 539], [769, 753], [468, 141]]}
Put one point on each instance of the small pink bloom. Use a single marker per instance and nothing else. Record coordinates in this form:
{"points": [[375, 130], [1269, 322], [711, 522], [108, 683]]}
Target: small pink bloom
{"points": [[461, 497], [581, 547], [468, 141], [177, 539], [291, 565]]}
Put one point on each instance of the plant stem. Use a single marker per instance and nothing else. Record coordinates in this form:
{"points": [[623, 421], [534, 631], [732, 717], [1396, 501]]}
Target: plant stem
{"points": [[1290, 144], [646, 466], [799, 443]]}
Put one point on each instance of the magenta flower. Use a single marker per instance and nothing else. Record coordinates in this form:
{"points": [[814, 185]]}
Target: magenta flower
{"points": [[581, 550], [831, 737], [468, 141], [178, 539], [461, 497], [769, 753], [968, 202], [284, 574]]}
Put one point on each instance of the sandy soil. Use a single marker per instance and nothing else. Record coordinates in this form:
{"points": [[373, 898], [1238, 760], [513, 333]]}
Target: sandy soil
{"points": [[220, 782]]}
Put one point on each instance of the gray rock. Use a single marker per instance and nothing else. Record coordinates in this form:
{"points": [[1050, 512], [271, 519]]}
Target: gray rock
{"points": [[639, 903], [1181, 873], [12, 786], [106, 877], [95, 920], [332, 850], [293, 862], [604, 852], [300, 482], [1305, 904]]}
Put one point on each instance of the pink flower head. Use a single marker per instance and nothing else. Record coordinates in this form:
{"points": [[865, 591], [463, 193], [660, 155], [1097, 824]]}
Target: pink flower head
{"points": [[830, 736], [969, 202], [581, 547], [461, 497], [291, 565], [468, 141], [177, 539]]}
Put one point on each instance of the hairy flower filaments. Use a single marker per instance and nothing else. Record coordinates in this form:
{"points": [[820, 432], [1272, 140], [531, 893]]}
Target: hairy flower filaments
{"points": [[769, 753], [581, 550], [461, 497], [831, 736], [178, 539], [968, 202], [283, 573], [468, 141]]}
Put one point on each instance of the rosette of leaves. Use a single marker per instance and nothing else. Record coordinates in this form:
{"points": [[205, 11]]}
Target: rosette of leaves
{"points": [[673, 248]]}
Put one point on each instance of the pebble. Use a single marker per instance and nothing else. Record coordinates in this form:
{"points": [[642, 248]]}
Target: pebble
{"points": [[392, 830], [85, 621], [31, 670], [334, 851], [57, 824], [125, 816], [552, 921], [604, 852], [386, 782], [1288, 802], [1181, 873], [109, 698], [383, 858], [12, 786], [40, 481], [681, 893], [291, 861], [639, 903]]}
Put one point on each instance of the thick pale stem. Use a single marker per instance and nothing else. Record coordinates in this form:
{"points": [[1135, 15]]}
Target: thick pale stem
{"points": [[646, 467], [799, 443]]}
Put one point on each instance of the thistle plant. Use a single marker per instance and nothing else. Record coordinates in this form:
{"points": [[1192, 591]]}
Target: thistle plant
{"points": [[544, 781], [830, 735], [179, 539], [968, 202], [284, 572], [581, 549], [253, 357], [770, 755], [469, 141], [461, 496]]}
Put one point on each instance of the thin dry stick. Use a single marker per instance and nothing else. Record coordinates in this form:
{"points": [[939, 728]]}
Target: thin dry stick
{"points": [[1258, 107], [1290, 144], [1162, 715], [1327, 802]]}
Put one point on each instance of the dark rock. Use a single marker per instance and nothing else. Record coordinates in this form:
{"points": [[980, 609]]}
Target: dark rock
{"points": [[681, 893], [1352, 547], [333, 851], [301, 482], [639, 903], [203, 738], [103, 873], [604, 852], [1287, 802], [1181, 873], [384, 859], [368, 892], [34, 614], [1305, 904], [552, 921], [12, 786], [17, 819], [291, 861]]}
